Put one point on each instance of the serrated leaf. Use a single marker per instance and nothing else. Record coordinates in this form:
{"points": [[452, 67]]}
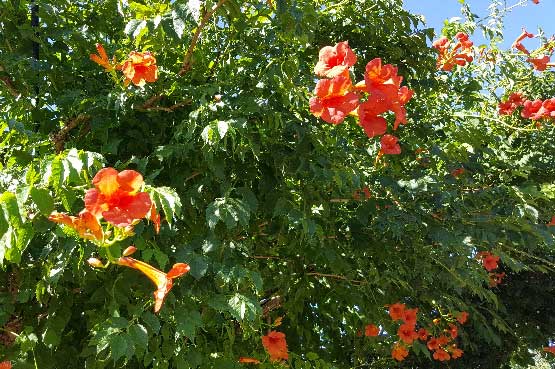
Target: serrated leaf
{"points": [[229, 211], [4, 226], [75, 162], [42, 198], [118, 347], [168, 200], [233, 9], [199, 266], [178, 24], [139, 335], [131, 26], [241, 307], [57, 173], [222, 127], [188, 321], [152, 321], [18, 234]]}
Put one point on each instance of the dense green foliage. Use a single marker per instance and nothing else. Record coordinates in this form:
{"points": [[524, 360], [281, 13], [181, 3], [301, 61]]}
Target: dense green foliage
{"points": [[257, 194]]}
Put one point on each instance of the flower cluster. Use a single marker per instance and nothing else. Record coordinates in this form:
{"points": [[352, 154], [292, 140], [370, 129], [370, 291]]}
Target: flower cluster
{"points": [[409, 331], [379, 92], [539, 58], [508, 106], [5, 365], [450, 54], [118, 200], [490, 263], [139, 68], [535, 110]]}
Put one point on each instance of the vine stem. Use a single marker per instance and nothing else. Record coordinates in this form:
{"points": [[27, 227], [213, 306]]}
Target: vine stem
{"points": [[497, 121], [189, 54]]}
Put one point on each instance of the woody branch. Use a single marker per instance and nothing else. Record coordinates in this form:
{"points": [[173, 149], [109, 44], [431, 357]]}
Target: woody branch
{"points": [[189, 54], [8, 83], [60, 138]]}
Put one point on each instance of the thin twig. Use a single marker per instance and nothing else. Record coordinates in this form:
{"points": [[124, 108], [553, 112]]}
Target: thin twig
{"points": [[336, 276], [192, 176], [264, 257], [60, 138], [149, 104], [189, 54]]}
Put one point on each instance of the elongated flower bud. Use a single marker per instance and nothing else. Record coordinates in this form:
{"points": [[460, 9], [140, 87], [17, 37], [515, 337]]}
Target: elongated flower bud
{"points": [[129, 251], [95, 263]]}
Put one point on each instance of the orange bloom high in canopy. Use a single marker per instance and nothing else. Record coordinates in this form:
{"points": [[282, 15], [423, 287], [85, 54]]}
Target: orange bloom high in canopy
{"points": [[117, 197], [379, 93], [139, 68], [334, 99], [334, 60]]}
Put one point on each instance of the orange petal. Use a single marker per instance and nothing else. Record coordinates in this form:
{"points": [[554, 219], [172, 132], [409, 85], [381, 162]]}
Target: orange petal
{"points": [[178, 270], [130, 180], [249, 360], [129, 208], [106, 180], [95, 202], [95, 58], [62, 218], [129, 251], [88, 226], [101, 51]]}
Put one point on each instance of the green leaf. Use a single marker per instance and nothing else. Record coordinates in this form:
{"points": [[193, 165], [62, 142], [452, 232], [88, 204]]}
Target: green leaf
{"points": [[139, 335], [178, 24], [223, 126], [18, 235], [132, 26], [228, 210], [43, 200], [188, 321], [166, 199], [152, 321], [4, 226], [118, 346], [199, 266], [241, 307]]}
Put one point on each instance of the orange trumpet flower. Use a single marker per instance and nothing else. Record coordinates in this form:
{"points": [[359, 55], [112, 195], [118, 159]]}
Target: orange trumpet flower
{"points": [[86, 224], [163, 281]]}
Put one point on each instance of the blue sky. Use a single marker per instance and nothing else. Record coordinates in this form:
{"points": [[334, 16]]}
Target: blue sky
{"points": [[529, 16]]}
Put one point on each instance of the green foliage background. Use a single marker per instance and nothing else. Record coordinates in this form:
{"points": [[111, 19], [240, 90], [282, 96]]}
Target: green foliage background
{"points": [[258, 194]]}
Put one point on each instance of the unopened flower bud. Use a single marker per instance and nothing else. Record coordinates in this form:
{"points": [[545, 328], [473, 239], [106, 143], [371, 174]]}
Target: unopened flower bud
{"points": [[129, 251], [95, 263]]}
